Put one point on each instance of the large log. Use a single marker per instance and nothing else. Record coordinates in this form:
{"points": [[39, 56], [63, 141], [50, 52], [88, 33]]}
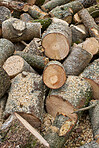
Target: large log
{"points": [[52, 4], [57, 39], [91, 73], [26, 98], [6, 50], [4, 82], [89, 23], [17, 132], [77, 61], [17, 30], [15, 65], [54, 75]]}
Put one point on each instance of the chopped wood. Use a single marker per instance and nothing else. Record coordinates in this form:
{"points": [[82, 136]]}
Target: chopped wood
{"points": [[15, 65], [26, 17], [17, 30], [77, 61], [54, 75], [37, 13], [52, 4], [4, 82], [56, 40], [26, 98], [6, 50]]}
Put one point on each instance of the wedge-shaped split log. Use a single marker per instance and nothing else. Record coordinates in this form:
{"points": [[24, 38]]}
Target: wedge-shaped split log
{"points": [[56, 40], [6, 50], [15, 65], [17, 132], [17, 30], [4, 82], [77, 61], [54, 75], [91, 74], [26, 98]]}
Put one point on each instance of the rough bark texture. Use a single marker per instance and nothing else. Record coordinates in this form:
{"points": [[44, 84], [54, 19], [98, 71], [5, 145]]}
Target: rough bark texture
{"points": [[26, 98], [37, 13], [6, 50], [26, 17], [17, 30], [88, 3], [64, 11], [35, 61], [52, 4], [92, 144], [77, 61], [15, 134], [4, 14], [4, 82], [89, 23], [15, 65], [94, 10], [54, 75], [55, 33]]}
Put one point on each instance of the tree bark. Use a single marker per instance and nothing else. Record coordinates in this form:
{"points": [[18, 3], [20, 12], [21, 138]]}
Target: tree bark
{"points": [[77, 61], [26, 17], [89, 23], [92, 144], [6, 50], [27, 102], [17, 30], [54, 75], [87, 3], [4, 82], [56, 32]]}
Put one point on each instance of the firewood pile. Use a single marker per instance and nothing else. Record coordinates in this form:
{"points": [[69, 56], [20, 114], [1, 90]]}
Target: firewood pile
{"points": [[49, 72]]}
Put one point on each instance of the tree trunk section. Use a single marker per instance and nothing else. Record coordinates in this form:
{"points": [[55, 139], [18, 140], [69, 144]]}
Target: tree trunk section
{"points": [[54, 75], [6, 50], [89, 23], [56, 32], [4, 82], [77, 61], [52, 4], [17, 30], [26, 98]]}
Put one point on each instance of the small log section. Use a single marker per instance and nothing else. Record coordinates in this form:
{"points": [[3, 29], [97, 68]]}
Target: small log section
{"points": [[56, 40], [26, 98], [38, 62], [91, 73], [18, 132], [4, 14], [52, 4], [4, 82], [15, 65], [77, 61], [17, 30], [37, 13], [89, 23], [6, 50], [54, 75]]}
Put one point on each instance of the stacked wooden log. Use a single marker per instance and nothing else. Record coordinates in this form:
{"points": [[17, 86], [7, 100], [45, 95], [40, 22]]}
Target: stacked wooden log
{"points": [[48, 65]]}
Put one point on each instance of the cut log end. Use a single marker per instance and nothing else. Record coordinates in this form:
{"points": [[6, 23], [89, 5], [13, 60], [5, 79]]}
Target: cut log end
{"points": [[54, 76], [56, 46]]}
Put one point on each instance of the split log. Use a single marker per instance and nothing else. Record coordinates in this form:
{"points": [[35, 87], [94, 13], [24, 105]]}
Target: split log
{"points": [[89, 23], [52, 4], [6, 50], [56, 40], [4, 82], [17, 132], [35, 61], [15, 65], [4, 14], [88, 3], [37, 13], [26, 17], [79, 33], [91, 74], [66, 11], [26, 98], [92, 144], [17, 30], [77, 61], [54, 75]]}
